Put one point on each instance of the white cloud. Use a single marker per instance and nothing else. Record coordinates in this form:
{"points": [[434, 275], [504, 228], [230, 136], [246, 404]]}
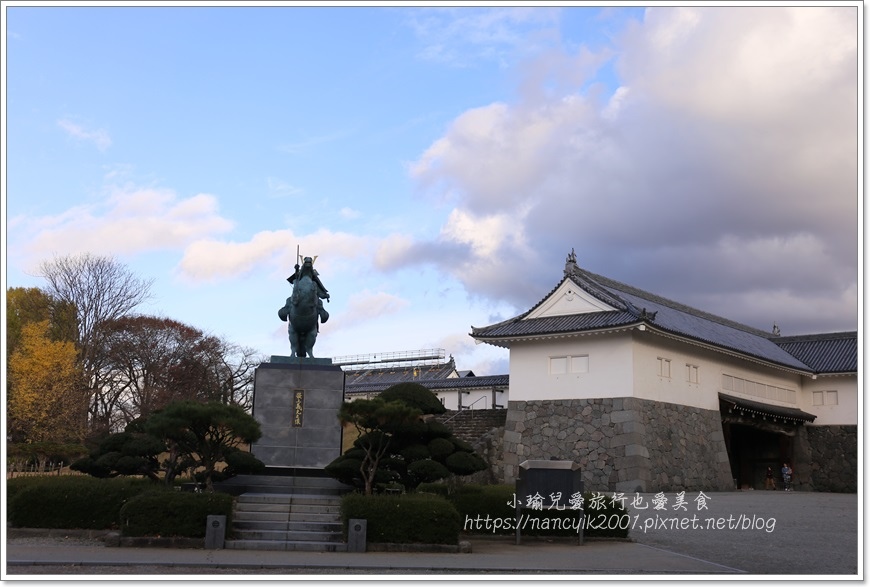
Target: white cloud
{"points": [[281, 189], [305, 145], [484, 235], [460, 36], [209, 260], [129, 220], [100, 138], [349, 213], [363, 307]]}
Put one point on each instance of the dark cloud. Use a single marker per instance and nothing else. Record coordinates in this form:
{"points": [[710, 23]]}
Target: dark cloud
{"points": [[722, 174]]}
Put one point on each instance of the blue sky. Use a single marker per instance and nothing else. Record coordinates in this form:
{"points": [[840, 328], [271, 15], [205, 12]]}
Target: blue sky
{"points": [[440, 162]]}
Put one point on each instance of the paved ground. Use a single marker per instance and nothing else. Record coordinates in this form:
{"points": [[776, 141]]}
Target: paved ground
{"points": [[809, 533], [734, 534]]}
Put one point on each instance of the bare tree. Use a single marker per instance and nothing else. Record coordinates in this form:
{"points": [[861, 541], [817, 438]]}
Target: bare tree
{"points": [[237, 374], [100, 289]]}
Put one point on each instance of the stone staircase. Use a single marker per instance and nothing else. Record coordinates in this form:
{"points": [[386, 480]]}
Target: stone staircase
{"points": [[471, 425], [285, 512], [275, 521]]}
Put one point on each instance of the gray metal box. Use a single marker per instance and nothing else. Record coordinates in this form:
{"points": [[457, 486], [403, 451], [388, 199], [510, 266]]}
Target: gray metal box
{"points": [[215, 532], [356, 535]]}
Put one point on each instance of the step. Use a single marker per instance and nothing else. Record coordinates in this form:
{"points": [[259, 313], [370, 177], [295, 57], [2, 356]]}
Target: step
{"points": [[288, 536], [286, 498], [277, 545], [286, 484], [286, 508], [245, 516], [285, 526], [287, 518]]}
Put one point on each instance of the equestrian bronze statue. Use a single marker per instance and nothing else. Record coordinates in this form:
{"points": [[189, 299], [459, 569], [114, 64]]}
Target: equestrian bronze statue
{"points": [[304, 307]]}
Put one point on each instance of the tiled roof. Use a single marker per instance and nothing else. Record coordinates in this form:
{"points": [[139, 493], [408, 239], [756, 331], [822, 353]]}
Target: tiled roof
{"points": [[400, 373], [691, 323], [436, 384], [824, 353], [752, 408], [557, 324], [635, 306]]}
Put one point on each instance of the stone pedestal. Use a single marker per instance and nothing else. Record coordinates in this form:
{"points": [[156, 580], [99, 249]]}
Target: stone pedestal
{"points": [[296, 402]]}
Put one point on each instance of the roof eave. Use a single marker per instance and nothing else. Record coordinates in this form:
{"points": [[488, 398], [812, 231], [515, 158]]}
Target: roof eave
{"points": [[504, 341]]}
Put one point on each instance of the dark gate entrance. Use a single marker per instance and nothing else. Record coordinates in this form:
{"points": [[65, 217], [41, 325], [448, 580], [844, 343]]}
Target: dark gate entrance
{"points": [[759, 436], [752, 450]]}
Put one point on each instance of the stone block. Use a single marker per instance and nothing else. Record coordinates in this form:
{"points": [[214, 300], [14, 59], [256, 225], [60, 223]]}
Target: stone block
{"points": [[626, 439], [317, 441], [511, 436], [277, 436], [636, 450], [633, 426], [632, 486], [632, 462], [623, 416]]}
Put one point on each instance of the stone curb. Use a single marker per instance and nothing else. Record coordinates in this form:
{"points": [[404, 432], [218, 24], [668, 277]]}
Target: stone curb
{"points": [[463, 547], [57, 533], [109, 537]]}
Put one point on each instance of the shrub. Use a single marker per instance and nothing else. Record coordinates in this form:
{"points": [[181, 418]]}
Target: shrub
{"points": [[441, 489], [465, 463], [410, 518], [70, 502], [441, 448], [425, 471], [165, 512], [414, 395]]}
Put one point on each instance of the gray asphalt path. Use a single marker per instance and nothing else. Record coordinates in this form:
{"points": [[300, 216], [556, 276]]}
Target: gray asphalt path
{"points": [[779, 532], [731, 534]]}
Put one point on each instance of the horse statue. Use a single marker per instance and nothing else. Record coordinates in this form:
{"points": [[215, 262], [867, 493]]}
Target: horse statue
{"points": [[303, 308]]}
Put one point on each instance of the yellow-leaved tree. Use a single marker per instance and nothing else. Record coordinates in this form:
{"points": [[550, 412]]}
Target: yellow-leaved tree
{"points": [[44, 401]]}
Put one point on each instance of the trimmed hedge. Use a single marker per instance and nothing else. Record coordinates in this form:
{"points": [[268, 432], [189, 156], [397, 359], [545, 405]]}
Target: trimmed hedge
{"points": [[404, 519], [70, 502], [170, 513], [475, 502]]}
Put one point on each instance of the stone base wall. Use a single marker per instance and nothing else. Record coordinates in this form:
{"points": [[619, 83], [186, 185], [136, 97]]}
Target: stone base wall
{"points": [[621, 444], [490, 447], [833, 458]]}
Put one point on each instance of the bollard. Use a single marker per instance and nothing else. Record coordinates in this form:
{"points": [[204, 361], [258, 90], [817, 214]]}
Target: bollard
{"points": [[356, 535], [215, 532]]}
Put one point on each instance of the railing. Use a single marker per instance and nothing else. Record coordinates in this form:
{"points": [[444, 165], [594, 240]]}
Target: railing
{"points": [[468, 407], [29, 469]]}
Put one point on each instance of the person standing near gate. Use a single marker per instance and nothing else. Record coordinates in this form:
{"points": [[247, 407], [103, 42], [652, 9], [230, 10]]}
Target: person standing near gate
{"points": [[786, 477], [768, 482]]}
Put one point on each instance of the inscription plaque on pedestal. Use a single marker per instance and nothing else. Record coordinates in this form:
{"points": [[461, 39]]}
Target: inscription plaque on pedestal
{"points": [[296, 403]]}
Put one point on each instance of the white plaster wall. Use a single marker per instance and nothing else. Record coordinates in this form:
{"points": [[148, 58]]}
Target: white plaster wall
{"points": [[844, 413], [675, 389], [609, 374], [448, 398], [711, 366], [477, 399]]}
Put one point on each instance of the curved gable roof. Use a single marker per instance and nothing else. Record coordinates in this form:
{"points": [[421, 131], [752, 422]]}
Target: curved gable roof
{"points": [[635, 306]]}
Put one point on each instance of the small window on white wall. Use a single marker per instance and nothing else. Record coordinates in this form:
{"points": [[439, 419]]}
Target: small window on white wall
{"points": [[580, 364], [692, 373], [831, 398], [818, 398], [569, 364], [664, 367], [558, 365]]}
